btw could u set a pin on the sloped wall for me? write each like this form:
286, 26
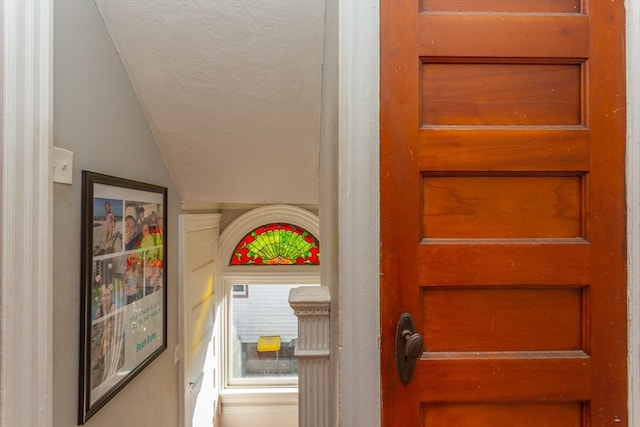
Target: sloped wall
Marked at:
98, 117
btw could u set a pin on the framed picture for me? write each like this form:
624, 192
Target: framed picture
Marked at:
123, 321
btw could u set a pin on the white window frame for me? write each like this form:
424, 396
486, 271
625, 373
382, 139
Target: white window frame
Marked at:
258, 274
264, 278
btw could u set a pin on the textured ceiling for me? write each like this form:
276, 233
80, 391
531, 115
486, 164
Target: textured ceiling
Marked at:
231, 90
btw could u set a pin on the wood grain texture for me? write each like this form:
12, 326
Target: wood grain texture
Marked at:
568, 414
501, 94
523, 6
516, 206
490, 219
477, 319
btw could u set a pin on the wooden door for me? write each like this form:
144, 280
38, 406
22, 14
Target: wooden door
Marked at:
198, 265
503, 211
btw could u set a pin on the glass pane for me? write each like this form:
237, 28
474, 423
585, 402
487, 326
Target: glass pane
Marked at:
277, 244
263, 333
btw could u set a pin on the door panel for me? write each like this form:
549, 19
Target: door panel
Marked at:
502, 206
568, 414
502, 318
511, 94
198, 249
503, 211
522, 6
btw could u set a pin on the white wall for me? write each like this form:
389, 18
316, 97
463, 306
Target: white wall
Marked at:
98, 118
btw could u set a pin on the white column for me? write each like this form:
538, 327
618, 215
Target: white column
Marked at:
25, 297
312, 306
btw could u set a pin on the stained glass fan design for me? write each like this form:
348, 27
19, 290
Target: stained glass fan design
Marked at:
277, 244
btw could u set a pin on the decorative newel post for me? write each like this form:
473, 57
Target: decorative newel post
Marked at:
312, 305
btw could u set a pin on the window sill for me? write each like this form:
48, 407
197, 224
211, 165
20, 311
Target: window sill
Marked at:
259, 397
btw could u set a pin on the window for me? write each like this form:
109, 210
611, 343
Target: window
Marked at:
262, 334
266, 252
277, 244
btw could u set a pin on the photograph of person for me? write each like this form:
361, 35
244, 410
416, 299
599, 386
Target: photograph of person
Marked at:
97, 277
107, 348
132, 278
140, 220
107, 289
132, 234
107, 304
153, 281
107, 217
151, 244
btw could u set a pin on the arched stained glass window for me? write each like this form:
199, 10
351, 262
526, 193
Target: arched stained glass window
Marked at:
277, 244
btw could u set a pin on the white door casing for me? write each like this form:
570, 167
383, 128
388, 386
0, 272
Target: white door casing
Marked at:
198, 249
633, 205
358, 296
26, 330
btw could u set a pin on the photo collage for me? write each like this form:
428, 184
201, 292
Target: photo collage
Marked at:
127, 270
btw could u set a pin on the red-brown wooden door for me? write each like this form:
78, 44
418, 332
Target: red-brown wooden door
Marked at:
503, 211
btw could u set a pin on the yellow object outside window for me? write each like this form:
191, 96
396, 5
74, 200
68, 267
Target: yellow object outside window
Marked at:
269, 343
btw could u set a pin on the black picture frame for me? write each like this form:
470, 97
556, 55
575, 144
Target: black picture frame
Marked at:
123, 313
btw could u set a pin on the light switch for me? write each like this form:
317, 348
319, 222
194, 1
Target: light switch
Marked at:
62, 165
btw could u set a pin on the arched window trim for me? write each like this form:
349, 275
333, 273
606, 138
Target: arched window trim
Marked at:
244, 391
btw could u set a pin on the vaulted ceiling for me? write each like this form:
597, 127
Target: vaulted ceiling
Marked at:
231, 90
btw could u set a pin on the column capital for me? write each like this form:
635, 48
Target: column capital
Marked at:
310, 301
